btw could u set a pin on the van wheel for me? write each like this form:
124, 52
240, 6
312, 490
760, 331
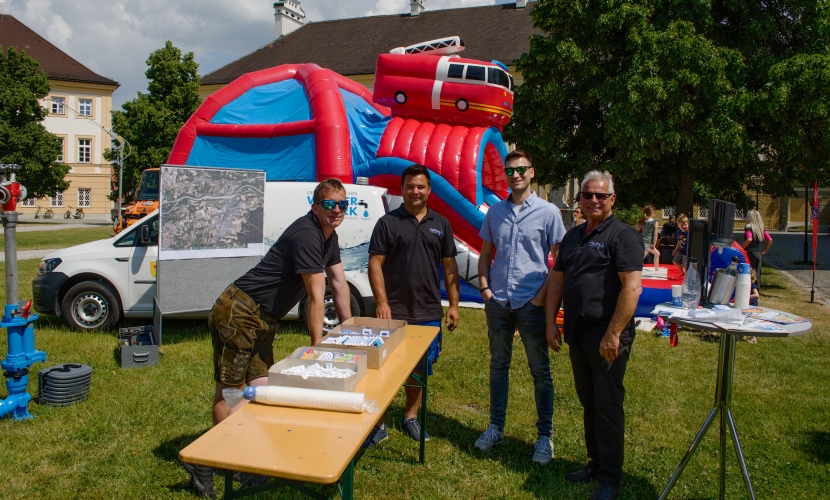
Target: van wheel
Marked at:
90, 305
330, 319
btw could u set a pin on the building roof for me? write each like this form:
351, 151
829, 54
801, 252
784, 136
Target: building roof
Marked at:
351, 46
57, 64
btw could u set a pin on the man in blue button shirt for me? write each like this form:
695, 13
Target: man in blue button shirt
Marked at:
523, 230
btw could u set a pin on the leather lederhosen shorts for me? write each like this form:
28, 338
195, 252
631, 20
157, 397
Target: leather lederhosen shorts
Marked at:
242, 336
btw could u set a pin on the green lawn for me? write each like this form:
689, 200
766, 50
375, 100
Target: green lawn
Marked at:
59, 238
123, 442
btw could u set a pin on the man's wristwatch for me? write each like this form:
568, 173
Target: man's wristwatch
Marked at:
483, 289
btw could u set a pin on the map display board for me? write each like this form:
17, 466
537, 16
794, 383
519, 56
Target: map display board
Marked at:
211, 212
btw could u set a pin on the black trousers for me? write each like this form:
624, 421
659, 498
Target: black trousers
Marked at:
599, 386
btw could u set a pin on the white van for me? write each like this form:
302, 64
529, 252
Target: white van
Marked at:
95, 284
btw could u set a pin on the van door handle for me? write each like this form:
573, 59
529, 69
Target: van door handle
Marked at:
122, 259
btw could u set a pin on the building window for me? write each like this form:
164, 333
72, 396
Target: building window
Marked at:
28, 202
85, 107
60, 155
83, 197
84, 150
57, 200
57, 107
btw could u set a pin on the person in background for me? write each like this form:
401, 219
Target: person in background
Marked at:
754, 234
669, 228
408, 247
754, 295
649, 232
682, 235
579, 218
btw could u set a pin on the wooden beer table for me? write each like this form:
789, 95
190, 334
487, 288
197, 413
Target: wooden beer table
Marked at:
723, 397
298, 445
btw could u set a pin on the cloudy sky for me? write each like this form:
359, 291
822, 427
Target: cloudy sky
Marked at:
115, 37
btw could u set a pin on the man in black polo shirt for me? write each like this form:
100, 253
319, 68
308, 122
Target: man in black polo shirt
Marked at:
598, 273
407, 247
243, 320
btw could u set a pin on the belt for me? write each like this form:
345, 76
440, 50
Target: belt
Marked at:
232, 292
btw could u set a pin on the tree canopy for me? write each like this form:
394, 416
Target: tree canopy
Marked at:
676, 99
151, 121
23, 138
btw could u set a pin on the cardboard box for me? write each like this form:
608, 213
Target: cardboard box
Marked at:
362, 362
377, 355
328, 384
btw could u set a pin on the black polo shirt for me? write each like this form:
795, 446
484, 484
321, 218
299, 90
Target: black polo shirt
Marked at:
276, 283
590, 263
413, 253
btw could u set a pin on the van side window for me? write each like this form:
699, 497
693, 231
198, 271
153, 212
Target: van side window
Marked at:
455, 71
475, 73
131, 239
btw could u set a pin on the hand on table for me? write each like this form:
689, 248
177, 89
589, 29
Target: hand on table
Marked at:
384, 311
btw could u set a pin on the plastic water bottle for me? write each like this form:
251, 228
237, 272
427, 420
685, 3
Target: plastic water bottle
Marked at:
691, 286
743, 287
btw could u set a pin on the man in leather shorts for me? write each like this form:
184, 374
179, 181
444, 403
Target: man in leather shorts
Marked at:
243, 320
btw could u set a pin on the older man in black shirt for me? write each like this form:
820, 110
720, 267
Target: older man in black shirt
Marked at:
598, 273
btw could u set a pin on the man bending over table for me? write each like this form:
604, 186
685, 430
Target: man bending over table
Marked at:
243, 320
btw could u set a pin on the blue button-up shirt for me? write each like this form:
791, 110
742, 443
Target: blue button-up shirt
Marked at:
522, 247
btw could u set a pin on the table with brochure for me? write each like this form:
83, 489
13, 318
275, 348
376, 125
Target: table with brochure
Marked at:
729, 322
300, 445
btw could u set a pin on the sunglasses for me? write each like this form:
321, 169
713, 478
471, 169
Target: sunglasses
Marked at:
330, 204
598, 196
521, 170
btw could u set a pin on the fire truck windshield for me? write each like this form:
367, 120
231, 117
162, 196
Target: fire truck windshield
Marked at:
499, 77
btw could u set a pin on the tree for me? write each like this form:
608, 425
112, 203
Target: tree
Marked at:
795, 106
662, 94
151, 121
23, 138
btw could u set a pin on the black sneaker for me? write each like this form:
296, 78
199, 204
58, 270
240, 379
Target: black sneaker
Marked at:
377, 435
202, 477
248, 479
413, 428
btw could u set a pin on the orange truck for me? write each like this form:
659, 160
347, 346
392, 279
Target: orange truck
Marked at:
146, 201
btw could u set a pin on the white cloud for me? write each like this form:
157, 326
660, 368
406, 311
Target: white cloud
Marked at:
115, 37
58, 31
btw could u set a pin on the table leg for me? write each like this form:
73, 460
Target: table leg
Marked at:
689, 453
228, 484
424, 381
347, 482
740, 453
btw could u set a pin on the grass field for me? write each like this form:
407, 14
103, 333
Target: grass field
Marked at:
58, 238
123, 442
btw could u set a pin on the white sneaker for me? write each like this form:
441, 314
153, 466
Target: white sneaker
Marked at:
489, 438
543, 450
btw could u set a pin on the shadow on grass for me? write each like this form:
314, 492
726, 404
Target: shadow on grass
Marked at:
168, 451
817, 445
542, 482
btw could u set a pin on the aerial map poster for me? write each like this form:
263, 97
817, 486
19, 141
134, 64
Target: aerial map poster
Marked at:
211, 212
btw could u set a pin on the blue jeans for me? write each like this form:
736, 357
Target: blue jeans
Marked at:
501, 324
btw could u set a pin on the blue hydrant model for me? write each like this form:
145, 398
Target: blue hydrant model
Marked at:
16, 318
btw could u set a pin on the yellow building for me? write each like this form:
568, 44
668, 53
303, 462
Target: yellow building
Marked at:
78, 105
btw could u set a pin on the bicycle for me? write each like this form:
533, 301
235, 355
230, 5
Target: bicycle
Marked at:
38, 215
48, 214
79, 213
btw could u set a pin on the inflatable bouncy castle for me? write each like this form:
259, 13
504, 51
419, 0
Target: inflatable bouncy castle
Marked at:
302, 122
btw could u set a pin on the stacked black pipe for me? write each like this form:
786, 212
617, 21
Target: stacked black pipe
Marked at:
63, 385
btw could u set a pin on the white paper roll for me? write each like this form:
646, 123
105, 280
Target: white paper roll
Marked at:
351, 402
